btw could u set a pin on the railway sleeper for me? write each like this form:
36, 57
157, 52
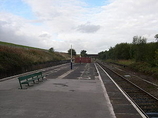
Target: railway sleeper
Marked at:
152, 114
133, 92
143, 97
147, 104
148, 107
139, 95
145, 101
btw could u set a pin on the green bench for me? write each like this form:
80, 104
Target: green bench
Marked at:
30, 78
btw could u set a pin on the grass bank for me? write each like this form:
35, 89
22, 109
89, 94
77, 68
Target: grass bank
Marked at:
23, 58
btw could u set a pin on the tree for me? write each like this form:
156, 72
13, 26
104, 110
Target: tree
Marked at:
152, 51
73, 52
51, 49
102, 55
139, 40
156, 36
83, 53
156, 57
111, 53
122, 51
139, 48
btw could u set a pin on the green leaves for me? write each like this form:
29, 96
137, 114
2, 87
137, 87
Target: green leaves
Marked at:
83, 53
73, 52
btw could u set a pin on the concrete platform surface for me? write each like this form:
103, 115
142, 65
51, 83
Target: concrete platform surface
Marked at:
60, 97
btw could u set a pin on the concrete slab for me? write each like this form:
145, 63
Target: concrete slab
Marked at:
11, 84
55, 98
67, 85
46, 104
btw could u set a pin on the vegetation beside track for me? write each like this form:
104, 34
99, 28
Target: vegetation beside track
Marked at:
138, 55
142, 67
17, 57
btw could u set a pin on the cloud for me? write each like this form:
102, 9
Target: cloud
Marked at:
122, 20
45, 35
88, 28
67, 22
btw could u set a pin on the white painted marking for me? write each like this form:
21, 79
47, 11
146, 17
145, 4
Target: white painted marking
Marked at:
65, 74
83, 72
105, 94
143, 116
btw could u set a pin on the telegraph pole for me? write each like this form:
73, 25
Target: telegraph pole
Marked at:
71, 57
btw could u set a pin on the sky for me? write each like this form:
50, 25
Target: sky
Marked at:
91, 25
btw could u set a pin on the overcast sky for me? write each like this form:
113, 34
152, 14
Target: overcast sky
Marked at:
91, 25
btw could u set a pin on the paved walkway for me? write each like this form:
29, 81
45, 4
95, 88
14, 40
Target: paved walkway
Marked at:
65, 94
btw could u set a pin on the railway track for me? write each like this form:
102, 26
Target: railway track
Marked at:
146, 102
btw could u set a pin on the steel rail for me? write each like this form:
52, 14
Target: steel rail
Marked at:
146, 102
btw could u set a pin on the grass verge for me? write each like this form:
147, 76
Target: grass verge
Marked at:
17, 58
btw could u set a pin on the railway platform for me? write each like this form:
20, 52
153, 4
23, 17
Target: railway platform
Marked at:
83, 92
